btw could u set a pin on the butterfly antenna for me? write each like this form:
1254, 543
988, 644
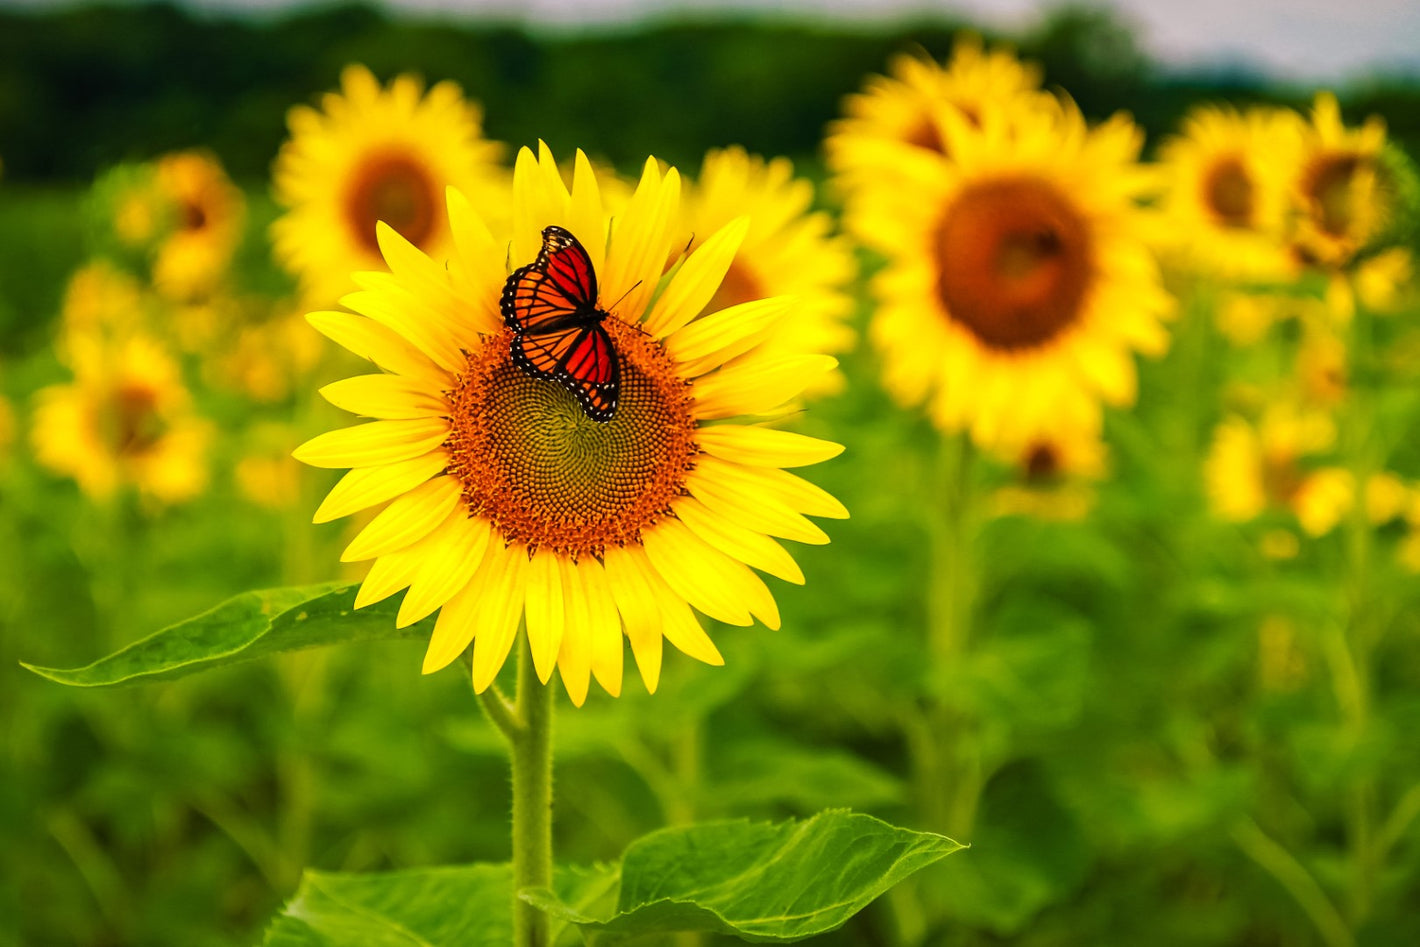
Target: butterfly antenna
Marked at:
612, 307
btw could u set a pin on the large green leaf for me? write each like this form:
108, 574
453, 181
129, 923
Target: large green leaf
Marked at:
464, 906
251, 625
758, 882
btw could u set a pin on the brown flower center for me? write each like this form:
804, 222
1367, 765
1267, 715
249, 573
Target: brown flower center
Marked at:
1041, 463
132, 423
1328, 185
1014, 262
194, 216
398, 190
532, 461
1228, 192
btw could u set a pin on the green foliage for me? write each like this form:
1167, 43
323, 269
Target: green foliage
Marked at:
758, 882
248, 626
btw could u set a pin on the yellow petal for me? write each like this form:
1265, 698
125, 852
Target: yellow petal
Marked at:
546, 611
603, 626
763, 446
385, 347
586, 217
637, 604
713, 340
779, 485
738, 504
406, 520
390, 397
501, 582
640, 242
695, 283
453, 630
758, 387
574, 659
389, 303
482, 262
696, 572
749, 547
372, 444
678, 623
364, 487
387, 576
454, 551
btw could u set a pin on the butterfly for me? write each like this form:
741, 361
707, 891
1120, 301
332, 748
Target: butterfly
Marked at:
551, 306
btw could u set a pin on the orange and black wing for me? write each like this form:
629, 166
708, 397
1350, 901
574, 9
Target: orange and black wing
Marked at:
581, 359
557, 289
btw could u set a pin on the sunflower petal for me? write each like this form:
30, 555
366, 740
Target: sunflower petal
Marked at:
759, 387
546, 611
388, 397
696, 572
746, 545
385, 347
637, 604
373, 444
764, 447
574, 660
365, 487
455, 550
501, 582
739, 504
407, 520
603, 626
713, 340
678, 623
695, 283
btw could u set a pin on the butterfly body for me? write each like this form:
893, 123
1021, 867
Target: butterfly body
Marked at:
551, 306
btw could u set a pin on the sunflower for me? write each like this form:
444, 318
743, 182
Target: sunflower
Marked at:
911, 118
1227, 177
1254, 467
788, 251
375, 154
1054, 468
100, 301
208, 213
506, 499
125, 420
1342, 189
1018, 275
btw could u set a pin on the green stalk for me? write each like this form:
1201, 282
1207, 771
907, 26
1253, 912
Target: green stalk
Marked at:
528, 729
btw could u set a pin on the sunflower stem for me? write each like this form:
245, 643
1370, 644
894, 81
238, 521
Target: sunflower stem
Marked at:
531, 744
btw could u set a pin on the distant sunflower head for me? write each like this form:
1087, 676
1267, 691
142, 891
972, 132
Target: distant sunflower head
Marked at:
1052, 470
918, 115
1351, 192
125, 420
789, 249
1256, 466
373, 155
206, 216
1227, 177
507, 502
1019, 276
100, 301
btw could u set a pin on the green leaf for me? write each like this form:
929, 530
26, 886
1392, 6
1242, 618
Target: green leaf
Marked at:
758, 882
251, 625
463, 906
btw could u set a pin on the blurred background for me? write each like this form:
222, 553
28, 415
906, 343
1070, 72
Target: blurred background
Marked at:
1147, 687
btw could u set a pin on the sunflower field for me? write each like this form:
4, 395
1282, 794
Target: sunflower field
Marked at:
711, 482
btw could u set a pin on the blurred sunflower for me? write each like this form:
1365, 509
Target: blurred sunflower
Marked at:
1227, 177
268, 356
125, 420
208, 213
912, 118
375, 154
100, 301
788, 251
508, 500
1343, 190
1054, 469
1018, 275
1252, 468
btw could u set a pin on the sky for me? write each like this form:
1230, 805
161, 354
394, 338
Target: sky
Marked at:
1289, 39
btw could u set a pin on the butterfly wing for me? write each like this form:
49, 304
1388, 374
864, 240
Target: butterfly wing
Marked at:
582, 359
557, 289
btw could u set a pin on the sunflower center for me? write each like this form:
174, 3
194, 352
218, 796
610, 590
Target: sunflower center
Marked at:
1329, 187
194, 216
1041, 463
925, 134
398, 190
1228, 192
133, 425
1013, 262
545, 474
738, 286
